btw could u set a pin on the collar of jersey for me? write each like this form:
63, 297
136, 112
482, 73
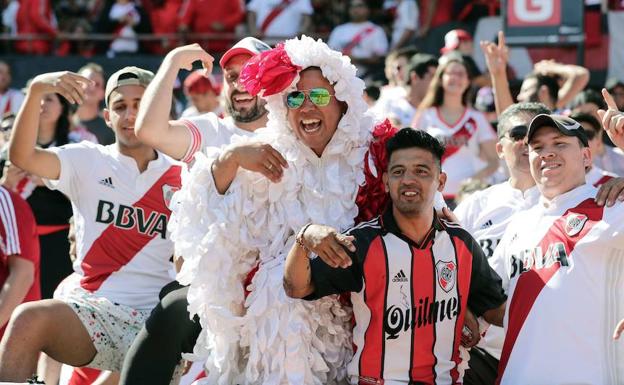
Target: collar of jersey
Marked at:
568, 199
389, 225
130, 162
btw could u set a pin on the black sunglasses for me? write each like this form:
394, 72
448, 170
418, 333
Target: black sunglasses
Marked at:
516, 133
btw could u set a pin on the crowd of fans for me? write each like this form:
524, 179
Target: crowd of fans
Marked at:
420, 72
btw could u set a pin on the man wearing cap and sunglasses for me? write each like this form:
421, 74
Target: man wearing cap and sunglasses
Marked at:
120, 195
560, 262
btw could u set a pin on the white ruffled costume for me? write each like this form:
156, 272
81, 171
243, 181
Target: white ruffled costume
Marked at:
269, 338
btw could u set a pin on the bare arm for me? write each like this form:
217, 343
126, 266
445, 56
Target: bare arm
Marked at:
487, 151
495, 316
22, 148
152, 125
496, 57
297, 274
424, 29
16, 286
574, 77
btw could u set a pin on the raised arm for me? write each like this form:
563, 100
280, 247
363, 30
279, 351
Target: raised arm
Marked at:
23, 152
496, 58
574, 78
612, 120
152, 125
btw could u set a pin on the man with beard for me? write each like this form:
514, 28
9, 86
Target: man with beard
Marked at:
169, 331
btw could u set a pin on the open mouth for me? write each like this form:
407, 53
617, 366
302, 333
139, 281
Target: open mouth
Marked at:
550, 166
409, 194
242, 99
310, 125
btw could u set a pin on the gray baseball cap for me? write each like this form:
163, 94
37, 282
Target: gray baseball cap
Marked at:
567, 126
127, 76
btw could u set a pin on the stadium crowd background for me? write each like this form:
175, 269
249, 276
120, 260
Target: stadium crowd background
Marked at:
99, 36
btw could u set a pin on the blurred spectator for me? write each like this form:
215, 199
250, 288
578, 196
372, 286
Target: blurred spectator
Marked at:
588, 102
123, 18
83, 47
484, 102
433, 22
6, 124
19, 254
615, 22
418, 74
328, 14
10, 98
405, 22
212, 16
164, 16
278, 18
604, 157
9, 17
89, 113
616, 89
51, 208
203, 93
364, 42
395, 66
35, 17
445, 114
459, 41
371, 94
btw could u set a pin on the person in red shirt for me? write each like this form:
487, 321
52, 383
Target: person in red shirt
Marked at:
164, 18
211, 16
35, 17
19, 255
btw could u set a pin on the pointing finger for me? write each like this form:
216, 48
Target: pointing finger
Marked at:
609, 99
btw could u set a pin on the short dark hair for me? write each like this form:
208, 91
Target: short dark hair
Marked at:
582, 117
550, 82
409, 138
528, 110
589, 96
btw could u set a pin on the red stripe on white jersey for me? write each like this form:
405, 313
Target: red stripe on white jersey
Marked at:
459, 138
422, 358
7, 213
375, 292
464, 268
603, 180
530, 283
115, 247
195, 140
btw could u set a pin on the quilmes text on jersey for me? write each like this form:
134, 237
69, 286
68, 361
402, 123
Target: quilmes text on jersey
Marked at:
426, 312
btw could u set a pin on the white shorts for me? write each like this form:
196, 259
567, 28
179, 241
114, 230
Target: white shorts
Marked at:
112, 327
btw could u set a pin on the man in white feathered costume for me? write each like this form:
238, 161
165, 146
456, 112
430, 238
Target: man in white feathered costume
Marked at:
266, 337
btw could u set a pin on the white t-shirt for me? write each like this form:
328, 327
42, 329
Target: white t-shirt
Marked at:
462, 139
406, 18
121, 215
288, 22
372, 39
611, 161
399, 110
485, 215
10, 101
597, 176
208, 130
562, 266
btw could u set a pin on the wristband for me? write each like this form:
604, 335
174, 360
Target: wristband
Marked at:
299, 237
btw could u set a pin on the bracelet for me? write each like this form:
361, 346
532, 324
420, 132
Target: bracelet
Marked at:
299, 237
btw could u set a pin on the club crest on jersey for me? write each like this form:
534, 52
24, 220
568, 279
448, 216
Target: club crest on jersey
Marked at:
574, 223
168, 192
446, 272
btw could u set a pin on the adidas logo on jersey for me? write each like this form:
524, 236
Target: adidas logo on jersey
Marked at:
400, 277
108, 182
486, 224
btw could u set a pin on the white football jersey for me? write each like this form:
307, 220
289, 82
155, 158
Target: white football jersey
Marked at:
597, 176
208, 130
485, 215
462, 139
120, 216
562, 265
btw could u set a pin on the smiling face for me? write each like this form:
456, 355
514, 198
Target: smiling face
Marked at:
412, 180
121, 115
51, 108
557, 161
455, 79
515, 152
239, 103
314, 125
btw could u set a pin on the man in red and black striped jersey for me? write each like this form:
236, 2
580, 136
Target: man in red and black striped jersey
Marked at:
412, 275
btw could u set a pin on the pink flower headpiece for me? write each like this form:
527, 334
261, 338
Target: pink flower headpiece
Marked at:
269, 72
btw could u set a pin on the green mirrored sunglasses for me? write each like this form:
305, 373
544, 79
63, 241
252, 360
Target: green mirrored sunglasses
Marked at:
319, 96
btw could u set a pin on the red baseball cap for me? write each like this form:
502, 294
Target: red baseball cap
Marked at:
198, 83
249, 45
453, 38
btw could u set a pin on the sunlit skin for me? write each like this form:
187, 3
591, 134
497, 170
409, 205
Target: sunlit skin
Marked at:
121, 114
51, 109
314, 125
528, 91
5, 77
516, 154
94, 92
412, 180
239, 103
455, 79
557, 161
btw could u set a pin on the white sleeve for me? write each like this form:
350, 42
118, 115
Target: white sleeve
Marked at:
16, 103
485, 132
205, 130
76, 160
332, 41
424, 121
408, 15
500, 260
465, 211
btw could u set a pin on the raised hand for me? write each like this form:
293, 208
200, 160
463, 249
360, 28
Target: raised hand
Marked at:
260, 157
185, 56
612, 120
496, 55
69, 84
329, 245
